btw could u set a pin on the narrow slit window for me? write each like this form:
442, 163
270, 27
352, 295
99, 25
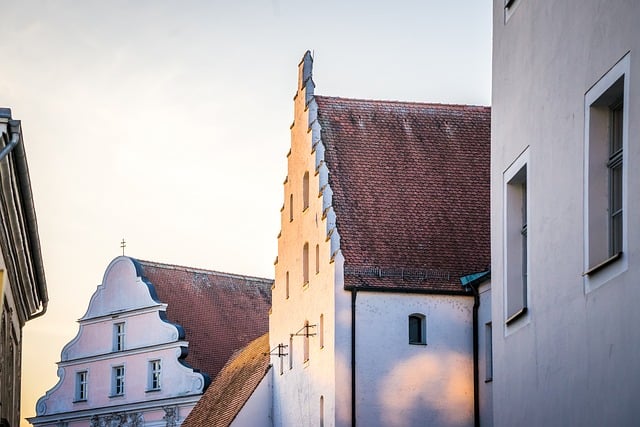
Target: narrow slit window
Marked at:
417, 329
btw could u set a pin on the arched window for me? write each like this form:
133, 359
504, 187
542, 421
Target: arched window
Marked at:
317, 259
321, 331
305, 191
417, 329
290, 207
305, 263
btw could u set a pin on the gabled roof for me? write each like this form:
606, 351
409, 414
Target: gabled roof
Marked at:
231, 389
410, 186
219, 312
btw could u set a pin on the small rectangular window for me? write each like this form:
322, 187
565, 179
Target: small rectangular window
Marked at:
286, 288
291, 352
155, 371
305, 263
117, 381
118, 336
305, 191
81, 386
317, 259
417, 329
321, 331
306, 341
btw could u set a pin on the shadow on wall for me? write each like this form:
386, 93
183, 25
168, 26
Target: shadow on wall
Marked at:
427, 389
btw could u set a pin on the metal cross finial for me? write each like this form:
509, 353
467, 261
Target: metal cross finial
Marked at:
123, 245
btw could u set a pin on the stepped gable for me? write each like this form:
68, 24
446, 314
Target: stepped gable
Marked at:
410, 186
233, 386
219, 312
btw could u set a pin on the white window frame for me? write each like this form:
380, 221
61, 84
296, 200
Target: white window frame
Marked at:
599, 269
516, 258
81, 393
119, 334
155, 375
118, 380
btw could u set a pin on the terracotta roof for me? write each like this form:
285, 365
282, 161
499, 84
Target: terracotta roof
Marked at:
410, 188
232, 387
219, 312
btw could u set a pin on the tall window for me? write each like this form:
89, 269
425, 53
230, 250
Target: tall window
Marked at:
118, 336
291, 352
290, 207
305, 191
488, 336
117, 381
317, 259
321, 331
606, 127
417, 329
516, 239
305, 263
81, 386
286, 285
155, 370
321, 411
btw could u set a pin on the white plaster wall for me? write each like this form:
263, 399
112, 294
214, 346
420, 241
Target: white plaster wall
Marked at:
485, 390
147, 337
257, 410
400, 384
297, 391
575, 361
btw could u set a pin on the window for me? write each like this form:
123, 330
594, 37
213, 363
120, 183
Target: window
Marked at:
317, 259
488, 336
117, 381
305, 263
606, 128
155, 370
306, 341
81, 386
321, 411
290, 207
516, 243
321, 331
417, 329
291, 352
118, 337
305, 191
286, 286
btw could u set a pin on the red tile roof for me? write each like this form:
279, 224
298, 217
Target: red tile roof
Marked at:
219, 312
231, 389
410, 188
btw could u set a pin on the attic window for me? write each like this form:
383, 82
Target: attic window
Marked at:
305, 191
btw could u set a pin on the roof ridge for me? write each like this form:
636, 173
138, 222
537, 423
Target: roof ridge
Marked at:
201, 270
398, 102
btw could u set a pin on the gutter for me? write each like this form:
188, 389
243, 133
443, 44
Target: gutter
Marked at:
26, 197
354, 293
472, 282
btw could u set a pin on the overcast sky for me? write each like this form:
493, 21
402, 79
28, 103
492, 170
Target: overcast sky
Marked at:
167, 123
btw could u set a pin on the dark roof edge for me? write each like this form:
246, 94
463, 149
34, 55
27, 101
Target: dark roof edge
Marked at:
407, 290
398, 102
201, 270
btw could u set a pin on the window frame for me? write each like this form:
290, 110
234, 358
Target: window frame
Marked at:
119, 334
601, 264
421, 320
81, 389
305, 263
155, 375
516, 242
118, 380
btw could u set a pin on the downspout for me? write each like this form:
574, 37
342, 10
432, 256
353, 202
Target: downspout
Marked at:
476, 373
354, 293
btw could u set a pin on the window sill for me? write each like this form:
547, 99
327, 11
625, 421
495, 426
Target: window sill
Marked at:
489, 380
516, 316
153, 390
417, 343
305, 286
114, 396
603, 264
80, 401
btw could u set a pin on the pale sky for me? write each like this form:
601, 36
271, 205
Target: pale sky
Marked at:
167, 123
